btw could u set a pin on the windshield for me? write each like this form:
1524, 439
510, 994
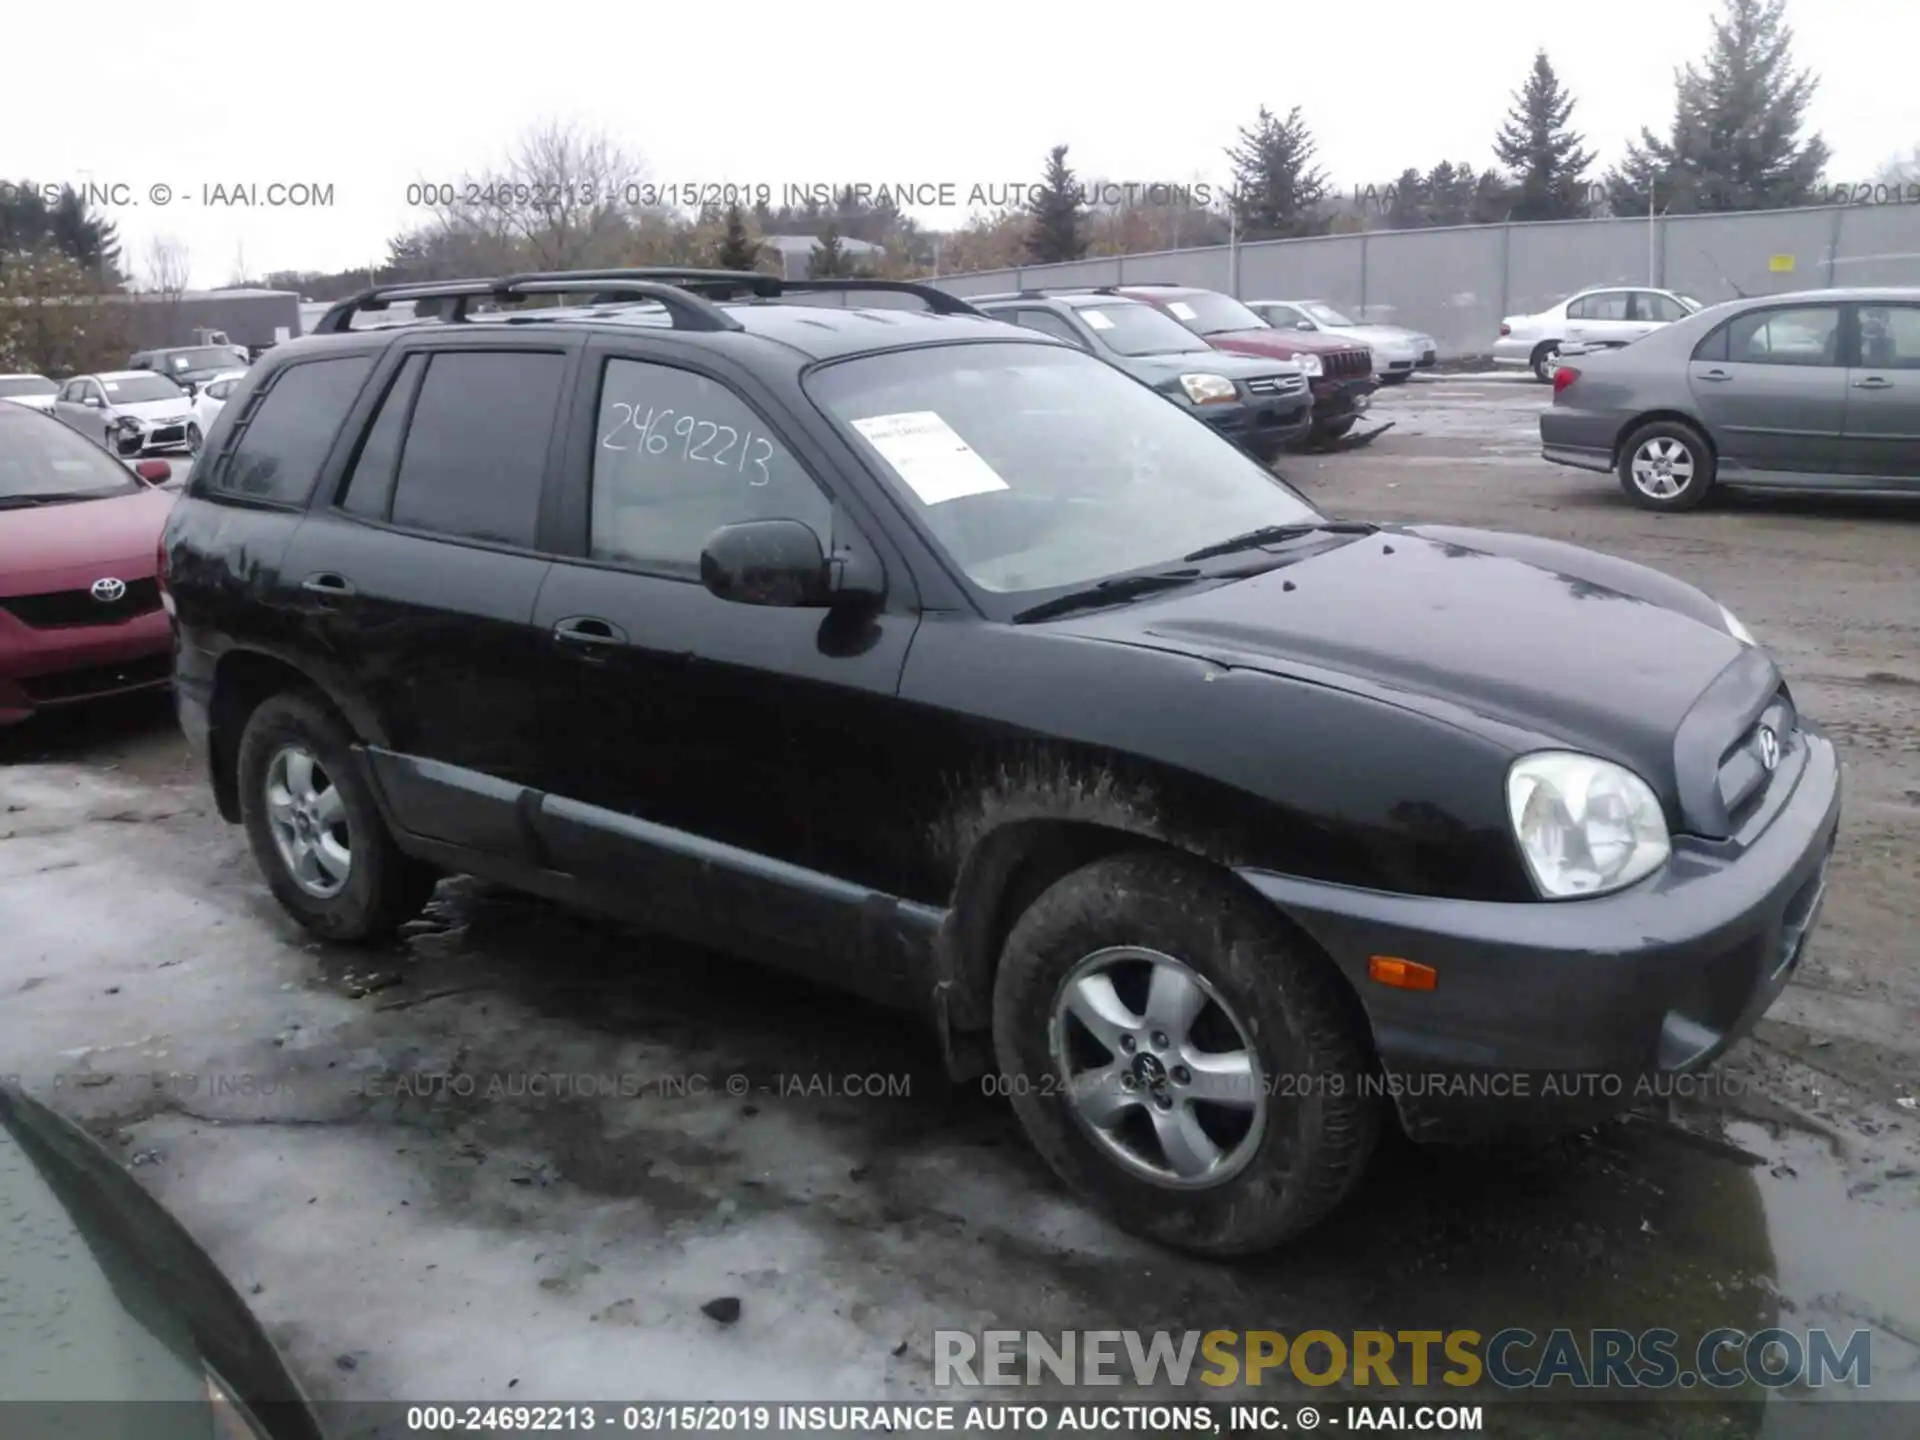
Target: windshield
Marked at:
42, 457
211, 357
1140, 330
138, 389
27, 385
1206, 312
1037, 467
1325, 314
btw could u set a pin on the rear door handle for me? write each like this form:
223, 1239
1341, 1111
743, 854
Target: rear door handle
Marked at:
327, 583
589, 636
1873, 382
1715, 375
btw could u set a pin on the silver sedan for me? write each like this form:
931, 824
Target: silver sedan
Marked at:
1818, 390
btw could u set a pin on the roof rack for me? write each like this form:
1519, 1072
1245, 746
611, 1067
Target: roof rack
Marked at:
1045, 291
687, 293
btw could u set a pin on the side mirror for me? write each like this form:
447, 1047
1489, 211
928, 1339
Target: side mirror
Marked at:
781, 563
154, 472
1303, 325
191, 387
93, 402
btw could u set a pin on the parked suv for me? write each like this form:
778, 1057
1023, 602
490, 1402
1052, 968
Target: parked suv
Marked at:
1262, 404
190, 366
1341, 370
946, 663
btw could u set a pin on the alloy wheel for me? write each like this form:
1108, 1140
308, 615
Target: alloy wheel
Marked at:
1157, 1069
1662, 467
309, 821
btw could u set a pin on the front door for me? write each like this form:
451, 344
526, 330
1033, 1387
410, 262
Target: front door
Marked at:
1772, 386
1883, 396
1603, 318
82, 405
717, 762
418, 579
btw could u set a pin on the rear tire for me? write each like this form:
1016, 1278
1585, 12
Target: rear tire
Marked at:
314, 828
1246, 1075
1545, 360
1666, 465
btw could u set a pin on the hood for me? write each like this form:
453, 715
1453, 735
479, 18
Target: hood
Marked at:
33, 402
1373, 334
1282, 343
170, 409
1213, 362
68, 546
1561, 646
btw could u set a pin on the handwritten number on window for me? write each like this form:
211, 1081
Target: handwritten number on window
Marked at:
697, 437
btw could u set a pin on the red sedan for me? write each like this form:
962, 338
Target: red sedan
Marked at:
80, 614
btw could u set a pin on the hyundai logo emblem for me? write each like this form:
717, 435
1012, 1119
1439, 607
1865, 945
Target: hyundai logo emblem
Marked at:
108, 590
1769, 747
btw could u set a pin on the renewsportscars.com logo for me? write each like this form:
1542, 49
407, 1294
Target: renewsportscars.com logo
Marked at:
1512, 1359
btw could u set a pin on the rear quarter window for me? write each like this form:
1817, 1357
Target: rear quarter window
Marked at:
280, 443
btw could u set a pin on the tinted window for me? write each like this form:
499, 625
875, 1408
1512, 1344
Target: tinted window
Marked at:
281, 445
1890, 337
676, 456
1805, 335
1048, 323
476, 452
1714, 347
370, 478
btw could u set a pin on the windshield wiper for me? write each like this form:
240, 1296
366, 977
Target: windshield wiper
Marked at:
1107, 592
1274, 534
21, 502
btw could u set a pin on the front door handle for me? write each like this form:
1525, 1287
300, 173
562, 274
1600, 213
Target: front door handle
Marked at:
589, 636
1873, 382
1715, 375
329, 584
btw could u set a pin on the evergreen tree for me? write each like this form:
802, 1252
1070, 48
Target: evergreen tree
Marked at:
1737, 118
1276, 185
1055, 214
66, 226
1541, 150
1494, 199
738, 249
1407, 206
1450, 191
829, 259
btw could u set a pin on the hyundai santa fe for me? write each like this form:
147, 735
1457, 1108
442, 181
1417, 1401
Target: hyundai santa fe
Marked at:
947, 663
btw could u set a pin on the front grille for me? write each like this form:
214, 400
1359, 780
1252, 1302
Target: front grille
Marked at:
1427, 357
78, 607
168, 435
1744, 774
1393, 365
93, 680
1347, 364
1277, 385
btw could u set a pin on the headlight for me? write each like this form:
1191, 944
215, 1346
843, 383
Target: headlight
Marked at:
1736, 629
1310, 364
1208, 389
1586, 825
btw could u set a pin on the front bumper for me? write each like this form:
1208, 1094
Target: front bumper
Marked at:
1264, 428
1336, 400
148, 438
46, 668
1557, 1013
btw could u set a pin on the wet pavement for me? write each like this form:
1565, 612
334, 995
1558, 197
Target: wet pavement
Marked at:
512, 1157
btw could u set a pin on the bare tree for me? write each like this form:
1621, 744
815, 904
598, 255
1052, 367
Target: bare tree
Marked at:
1902, 169
168, 267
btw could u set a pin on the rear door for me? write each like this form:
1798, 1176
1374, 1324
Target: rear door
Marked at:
416, 577
1771, 384
1883, 395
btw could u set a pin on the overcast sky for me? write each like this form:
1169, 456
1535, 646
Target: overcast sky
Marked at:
369, 98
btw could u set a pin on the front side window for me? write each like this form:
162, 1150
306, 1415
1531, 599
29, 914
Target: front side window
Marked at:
278, 455
678, 455
1890, 337
1327, 315
1037, 468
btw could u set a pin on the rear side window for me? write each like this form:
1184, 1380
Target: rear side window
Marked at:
281, 444
475, 453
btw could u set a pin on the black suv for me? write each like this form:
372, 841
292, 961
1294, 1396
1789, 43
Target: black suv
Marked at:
946, 662
1264, 405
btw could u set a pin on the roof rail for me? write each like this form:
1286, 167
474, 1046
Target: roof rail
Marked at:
689, 310
772, 287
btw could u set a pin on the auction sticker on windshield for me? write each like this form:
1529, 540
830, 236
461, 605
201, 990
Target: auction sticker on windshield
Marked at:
1096, 319
1181, 310
930, 456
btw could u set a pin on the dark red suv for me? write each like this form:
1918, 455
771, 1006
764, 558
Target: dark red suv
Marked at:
1342, 384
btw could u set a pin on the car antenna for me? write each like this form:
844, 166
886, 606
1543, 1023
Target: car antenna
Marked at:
1737, 291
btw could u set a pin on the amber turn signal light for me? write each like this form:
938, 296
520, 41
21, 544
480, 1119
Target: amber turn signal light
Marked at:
1401, 974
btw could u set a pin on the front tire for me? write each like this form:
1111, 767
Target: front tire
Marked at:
1180, 1058
1666, 465
314, 828
1545, 361
194, 439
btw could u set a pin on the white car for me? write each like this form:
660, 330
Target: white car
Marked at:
1397, 351
1603, 318
131, 412
213, 395
36, 392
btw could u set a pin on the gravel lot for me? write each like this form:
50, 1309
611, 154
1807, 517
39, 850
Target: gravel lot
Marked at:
516, 1236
